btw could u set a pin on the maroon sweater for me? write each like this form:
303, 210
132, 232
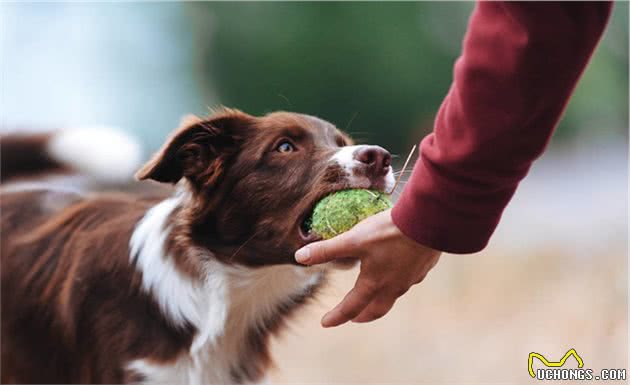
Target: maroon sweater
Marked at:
519, 65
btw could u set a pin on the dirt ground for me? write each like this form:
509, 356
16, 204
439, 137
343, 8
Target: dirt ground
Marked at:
474, 320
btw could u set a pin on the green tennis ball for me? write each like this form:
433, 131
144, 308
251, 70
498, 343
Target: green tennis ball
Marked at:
339, 211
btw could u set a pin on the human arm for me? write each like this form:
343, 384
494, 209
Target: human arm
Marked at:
519, 66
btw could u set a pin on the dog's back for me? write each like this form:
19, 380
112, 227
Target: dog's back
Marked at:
56, 300
100, 153
44, 207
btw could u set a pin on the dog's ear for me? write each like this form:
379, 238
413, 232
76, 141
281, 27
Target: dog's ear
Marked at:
198, 149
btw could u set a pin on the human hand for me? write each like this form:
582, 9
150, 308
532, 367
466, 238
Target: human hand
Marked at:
391, 263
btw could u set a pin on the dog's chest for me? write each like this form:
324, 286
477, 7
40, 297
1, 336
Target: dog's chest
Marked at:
242, 307
233, 308
190, 370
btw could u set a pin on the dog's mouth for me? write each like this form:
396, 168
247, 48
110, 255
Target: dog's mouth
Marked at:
305, 226
307, 234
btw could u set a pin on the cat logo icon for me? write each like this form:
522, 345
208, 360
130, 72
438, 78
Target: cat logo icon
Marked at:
552, 364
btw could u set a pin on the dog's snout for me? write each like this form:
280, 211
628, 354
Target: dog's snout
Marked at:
365, 166
375, 158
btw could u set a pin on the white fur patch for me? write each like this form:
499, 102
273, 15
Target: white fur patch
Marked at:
224, 306
345, 158
182, 299
390, 181
182, 371
104, 153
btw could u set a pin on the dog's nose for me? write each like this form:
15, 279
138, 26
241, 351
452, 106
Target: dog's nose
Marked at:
376, 158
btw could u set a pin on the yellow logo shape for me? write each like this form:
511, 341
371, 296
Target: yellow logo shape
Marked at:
551, 364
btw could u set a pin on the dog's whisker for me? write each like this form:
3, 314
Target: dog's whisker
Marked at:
402, 172
395, 194
286, 99
351, 120
243, 245
404, 167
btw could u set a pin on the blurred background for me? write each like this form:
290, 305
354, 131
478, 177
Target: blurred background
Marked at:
555, 275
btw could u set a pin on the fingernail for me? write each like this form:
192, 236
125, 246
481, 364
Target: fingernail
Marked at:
302, 255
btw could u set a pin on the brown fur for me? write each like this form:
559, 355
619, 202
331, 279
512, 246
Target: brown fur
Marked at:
72, 308
26, 155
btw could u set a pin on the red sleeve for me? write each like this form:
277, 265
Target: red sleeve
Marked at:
519, 65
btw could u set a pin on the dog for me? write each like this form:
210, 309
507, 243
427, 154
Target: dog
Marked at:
186, 287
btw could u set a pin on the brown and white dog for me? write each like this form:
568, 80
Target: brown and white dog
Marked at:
186, 288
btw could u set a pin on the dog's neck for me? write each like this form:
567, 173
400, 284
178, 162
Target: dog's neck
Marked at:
233, 308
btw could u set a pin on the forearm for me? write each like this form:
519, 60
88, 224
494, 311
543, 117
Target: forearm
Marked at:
519, 65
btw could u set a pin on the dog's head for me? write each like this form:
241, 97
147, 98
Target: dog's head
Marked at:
252, 181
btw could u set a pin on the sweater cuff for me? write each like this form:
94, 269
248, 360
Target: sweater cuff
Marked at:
432, 216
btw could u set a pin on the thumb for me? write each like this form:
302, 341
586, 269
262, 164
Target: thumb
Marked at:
341, 246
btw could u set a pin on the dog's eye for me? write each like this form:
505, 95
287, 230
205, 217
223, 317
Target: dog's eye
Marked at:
285, 146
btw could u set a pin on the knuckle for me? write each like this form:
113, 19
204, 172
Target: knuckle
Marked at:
348, 313
353, 242
370, 286
319, 252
